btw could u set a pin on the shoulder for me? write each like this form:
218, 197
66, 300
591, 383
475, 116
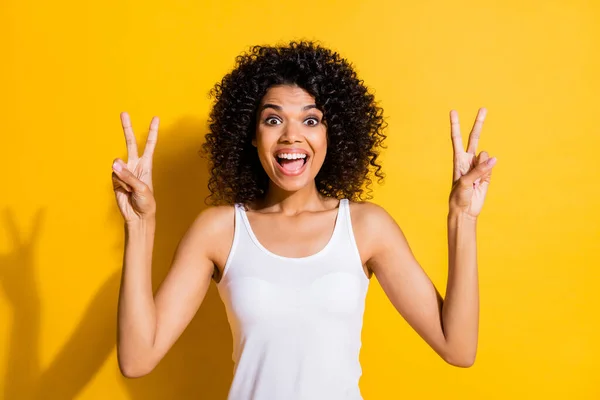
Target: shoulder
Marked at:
374, 228
367, 215
215, 218
212, 228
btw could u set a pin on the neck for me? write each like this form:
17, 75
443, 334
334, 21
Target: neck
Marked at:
292, 203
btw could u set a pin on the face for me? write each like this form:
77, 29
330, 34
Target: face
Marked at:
291, 138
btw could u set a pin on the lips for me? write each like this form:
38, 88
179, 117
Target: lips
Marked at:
291, 161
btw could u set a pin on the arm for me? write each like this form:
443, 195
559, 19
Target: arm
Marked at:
448, 326
148, 325
460, 312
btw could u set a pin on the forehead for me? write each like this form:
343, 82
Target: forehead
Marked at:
287, 96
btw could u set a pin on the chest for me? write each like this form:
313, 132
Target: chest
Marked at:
297, 236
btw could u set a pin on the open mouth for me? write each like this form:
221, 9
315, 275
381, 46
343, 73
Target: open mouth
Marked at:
291, 163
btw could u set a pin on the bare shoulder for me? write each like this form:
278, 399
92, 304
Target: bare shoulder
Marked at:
369, 216
373, 228
214, 218
212, 230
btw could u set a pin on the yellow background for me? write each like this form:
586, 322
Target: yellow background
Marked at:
69, 68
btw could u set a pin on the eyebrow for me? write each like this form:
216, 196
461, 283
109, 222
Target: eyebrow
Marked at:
279, 108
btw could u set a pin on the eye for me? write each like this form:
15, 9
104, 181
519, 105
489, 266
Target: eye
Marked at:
311, 121
272, 121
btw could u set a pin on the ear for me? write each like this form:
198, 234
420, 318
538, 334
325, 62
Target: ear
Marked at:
254, 142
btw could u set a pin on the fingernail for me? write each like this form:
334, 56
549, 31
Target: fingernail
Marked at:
491, 161
117, 167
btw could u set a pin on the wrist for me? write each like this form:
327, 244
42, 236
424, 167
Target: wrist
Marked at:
456, 214
141, 223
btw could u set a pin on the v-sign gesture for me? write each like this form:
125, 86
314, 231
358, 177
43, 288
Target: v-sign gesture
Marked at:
132, 181
472, 173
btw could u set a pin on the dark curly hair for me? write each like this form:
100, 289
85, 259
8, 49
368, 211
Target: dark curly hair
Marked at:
353, 120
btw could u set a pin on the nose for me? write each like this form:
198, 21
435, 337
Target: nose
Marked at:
291, 133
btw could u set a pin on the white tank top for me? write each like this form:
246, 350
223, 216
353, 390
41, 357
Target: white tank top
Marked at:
296, 322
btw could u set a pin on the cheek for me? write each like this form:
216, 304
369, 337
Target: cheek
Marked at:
264, 155
264, 149
264, 143
319, 145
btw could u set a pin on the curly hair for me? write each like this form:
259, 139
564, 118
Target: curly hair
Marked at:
354, 123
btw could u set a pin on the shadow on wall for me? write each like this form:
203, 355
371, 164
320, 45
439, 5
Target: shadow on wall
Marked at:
198, 365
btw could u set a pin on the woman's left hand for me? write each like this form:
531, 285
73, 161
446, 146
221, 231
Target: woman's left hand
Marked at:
472, 173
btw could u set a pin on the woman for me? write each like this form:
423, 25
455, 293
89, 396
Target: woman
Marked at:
294, 137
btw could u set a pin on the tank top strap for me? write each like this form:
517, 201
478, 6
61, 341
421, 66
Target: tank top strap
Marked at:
348, 230
238, 228
345, 216
245, 233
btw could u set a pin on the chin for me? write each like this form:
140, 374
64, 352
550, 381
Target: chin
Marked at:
291, 185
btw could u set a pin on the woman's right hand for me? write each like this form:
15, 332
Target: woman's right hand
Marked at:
132, 181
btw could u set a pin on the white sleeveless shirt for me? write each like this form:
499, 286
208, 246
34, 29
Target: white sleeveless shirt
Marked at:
296, 322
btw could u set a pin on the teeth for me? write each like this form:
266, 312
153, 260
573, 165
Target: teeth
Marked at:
291, 156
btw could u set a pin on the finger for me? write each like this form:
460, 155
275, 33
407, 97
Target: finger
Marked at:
120, 168
121, 190
476, 131
480, 171
457, 143
132, 153
481, 158
119, 184
152, 138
